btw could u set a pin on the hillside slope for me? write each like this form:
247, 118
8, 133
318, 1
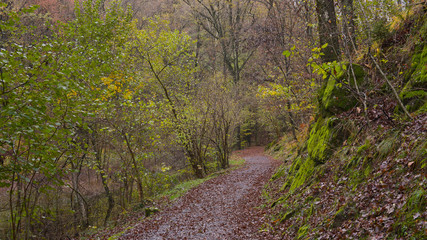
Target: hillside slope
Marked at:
361, 174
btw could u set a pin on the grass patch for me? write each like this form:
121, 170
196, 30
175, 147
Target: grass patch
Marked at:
184, 187
236, 161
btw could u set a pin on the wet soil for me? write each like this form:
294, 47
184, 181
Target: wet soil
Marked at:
226, 207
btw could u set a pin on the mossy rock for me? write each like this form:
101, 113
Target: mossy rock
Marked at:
296, 165
413, 94
325, 135
304, 173
318, 142
335, 96
279, 173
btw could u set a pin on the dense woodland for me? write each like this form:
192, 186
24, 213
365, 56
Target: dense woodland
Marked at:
105, 105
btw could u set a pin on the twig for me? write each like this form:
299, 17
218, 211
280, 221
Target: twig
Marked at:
391, 86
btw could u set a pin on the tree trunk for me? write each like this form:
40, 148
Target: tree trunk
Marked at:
239, 137
328, 30
81, 206
84, 221
291, 120
136, 169
307, 16
103, 175
109, 196
198, 169
348, 25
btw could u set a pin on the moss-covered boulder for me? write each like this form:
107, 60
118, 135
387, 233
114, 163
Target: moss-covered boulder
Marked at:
335, 96
414, 93
318, 142
325, 135
304, 172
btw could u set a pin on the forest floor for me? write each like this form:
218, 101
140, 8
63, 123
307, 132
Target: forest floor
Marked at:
225, 207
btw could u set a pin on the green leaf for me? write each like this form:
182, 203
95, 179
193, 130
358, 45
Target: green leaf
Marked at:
286, 53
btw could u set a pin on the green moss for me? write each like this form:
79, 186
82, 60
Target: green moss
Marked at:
422, 109
306, 171
345, 213
417, 202
296, 164
412, 215
302, 231
353, 162
364, 147
309, 212
287, 183
279, 173
280, 200
324, 136
387, 145
301, 170
335, 97
288, 215
421, 155
318, 142
359, 166
419, 70
367, 171
413, 94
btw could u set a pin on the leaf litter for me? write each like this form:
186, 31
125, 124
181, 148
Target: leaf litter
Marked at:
226, 207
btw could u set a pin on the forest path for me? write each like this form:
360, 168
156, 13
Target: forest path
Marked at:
224, 207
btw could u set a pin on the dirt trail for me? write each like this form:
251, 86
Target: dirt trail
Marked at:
221, 208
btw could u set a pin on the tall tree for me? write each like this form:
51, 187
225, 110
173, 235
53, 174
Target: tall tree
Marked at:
328, 30
348, 25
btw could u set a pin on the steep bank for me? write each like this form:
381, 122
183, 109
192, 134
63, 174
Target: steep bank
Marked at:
361, 173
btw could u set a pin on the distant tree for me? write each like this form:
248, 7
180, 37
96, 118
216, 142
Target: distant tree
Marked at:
227, 21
